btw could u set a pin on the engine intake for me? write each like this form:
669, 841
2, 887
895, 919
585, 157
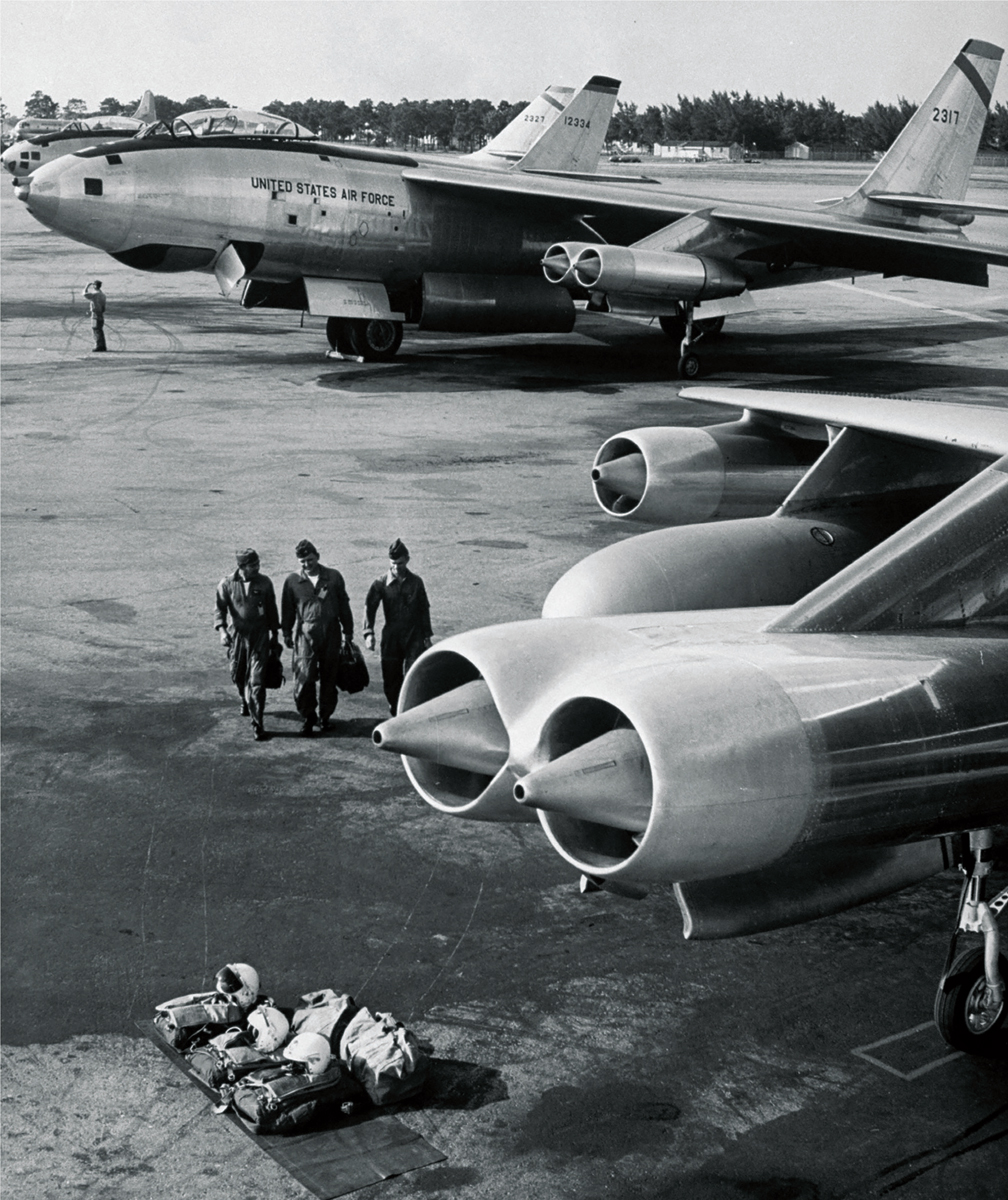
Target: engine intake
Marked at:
679, 476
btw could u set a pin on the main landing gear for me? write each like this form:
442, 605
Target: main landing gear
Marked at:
970, 1005
682, 328
374, 341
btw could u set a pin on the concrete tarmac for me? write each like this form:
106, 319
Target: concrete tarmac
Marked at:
583, 1049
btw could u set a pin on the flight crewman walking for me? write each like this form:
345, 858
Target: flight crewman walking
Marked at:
96, 296
407, 630
249, 624
313, 608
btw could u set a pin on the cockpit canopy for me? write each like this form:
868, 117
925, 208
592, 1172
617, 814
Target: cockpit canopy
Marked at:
233, 122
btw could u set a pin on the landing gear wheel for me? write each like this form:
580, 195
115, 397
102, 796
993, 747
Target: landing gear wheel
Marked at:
675, 327
963, 1016
689, 366
376, 341
339, 331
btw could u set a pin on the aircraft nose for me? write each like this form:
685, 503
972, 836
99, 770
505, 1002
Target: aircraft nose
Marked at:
41, 196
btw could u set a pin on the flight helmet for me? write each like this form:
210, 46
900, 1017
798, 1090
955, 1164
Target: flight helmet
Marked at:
312, 1049
239, 982
268, 1028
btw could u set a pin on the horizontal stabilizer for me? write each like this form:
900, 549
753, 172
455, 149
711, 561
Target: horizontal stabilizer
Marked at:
951, 210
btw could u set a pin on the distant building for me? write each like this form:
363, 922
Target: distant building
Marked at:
701, 151
797, 150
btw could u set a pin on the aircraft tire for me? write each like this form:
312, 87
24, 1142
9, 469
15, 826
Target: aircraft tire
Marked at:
376, 341
959, 1020
689, 366
339, 332
675, 327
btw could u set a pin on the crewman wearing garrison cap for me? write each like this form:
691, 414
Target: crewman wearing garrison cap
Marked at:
407, 630
248, 623
313, 608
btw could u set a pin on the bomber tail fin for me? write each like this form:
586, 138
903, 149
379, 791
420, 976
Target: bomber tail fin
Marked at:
574, 141
934, 154
145, 109
514, 140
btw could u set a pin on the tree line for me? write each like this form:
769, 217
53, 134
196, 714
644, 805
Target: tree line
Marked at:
767, 124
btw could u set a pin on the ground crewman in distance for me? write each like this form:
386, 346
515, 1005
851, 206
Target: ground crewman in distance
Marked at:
407, 630
248, 623
313, 608
96, 296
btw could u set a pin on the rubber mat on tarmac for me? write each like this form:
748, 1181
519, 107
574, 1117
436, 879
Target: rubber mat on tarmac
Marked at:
329, 1160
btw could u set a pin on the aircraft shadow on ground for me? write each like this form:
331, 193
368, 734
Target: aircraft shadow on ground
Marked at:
832, 355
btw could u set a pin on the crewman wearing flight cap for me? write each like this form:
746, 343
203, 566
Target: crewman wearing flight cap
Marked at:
407, 630
314, 606
248, 623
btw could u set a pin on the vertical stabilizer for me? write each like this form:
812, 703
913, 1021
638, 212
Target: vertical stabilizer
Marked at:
145, 109
934, 154
574, 142
514, 140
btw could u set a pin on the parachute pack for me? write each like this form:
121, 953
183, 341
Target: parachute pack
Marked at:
277, 1068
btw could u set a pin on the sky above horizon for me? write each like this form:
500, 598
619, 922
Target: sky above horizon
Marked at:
853, 52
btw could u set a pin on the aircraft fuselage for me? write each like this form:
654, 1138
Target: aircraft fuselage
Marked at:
312, 213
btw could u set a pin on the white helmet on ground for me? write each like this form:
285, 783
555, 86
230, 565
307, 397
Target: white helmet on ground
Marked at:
268, 1028
312, 1049
240, 982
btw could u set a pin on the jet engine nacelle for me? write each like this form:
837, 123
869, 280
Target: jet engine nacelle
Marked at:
494, 304
670, 752
680, 476
730, 564
652, 273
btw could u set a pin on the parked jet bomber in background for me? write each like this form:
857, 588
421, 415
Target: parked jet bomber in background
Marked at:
371, 239
33, 148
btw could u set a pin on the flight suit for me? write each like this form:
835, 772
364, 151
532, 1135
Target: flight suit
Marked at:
312, 616
97, 299
248, 611
407, 626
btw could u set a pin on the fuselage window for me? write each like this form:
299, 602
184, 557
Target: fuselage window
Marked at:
36, 156
113, 160
292, 218
92, 187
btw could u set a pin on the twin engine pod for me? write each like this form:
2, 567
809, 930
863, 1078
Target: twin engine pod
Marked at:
757, 775
680, 475
652, 273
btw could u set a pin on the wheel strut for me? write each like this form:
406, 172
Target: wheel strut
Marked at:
970, 1005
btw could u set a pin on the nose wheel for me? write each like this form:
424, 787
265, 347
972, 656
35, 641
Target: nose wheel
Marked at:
970, 1008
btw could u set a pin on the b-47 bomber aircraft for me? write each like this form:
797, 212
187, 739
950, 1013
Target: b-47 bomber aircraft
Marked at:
371, 239
34, 148
790, 701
